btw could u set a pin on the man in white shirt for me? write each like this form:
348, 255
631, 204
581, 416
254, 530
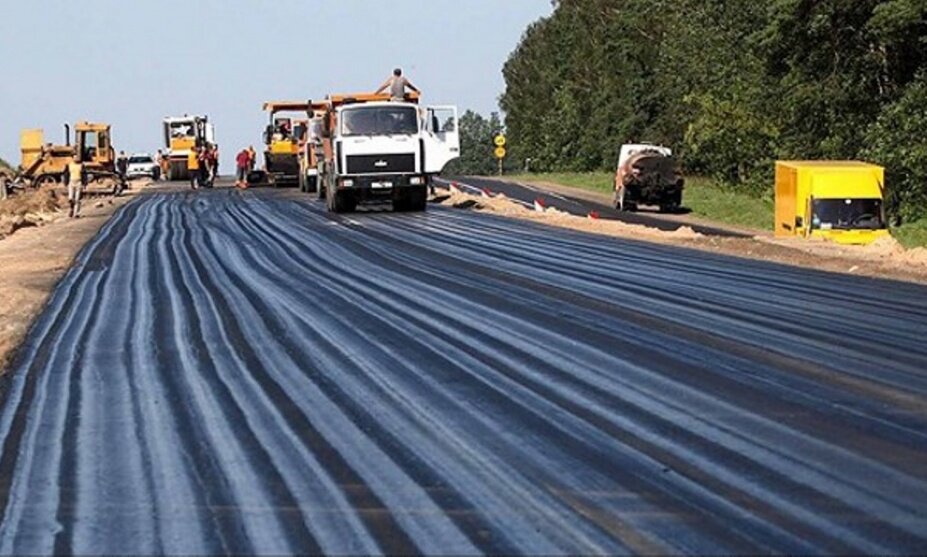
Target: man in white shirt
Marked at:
397, 85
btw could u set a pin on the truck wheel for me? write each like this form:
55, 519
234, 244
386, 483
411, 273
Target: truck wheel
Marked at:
312, 184
417, 199
338, 202
623, 200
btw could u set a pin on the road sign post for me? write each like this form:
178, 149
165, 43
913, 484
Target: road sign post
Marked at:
499, 141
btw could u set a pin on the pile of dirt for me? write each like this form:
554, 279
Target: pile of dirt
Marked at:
502, 205
31, 208
886, 251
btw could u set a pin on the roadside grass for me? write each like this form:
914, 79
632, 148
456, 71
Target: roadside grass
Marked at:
602, 182
705, 198
912, 234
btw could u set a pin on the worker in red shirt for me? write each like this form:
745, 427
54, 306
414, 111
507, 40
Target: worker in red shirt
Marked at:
243, 162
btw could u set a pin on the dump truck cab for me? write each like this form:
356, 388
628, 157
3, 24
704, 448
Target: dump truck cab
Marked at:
841, 201
385, 151
182, 136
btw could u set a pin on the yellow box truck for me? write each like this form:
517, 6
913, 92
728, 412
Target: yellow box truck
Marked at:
841, 201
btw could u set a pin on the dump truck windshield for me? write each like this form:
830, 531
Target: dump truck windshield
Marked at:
380, 120
846, 214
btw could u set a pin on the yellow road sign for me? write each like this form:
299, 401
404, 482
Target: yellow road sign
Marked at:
500, 141
500, 152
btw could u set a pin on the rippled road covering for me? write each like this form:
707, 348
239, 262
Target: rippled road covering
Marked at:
230, 372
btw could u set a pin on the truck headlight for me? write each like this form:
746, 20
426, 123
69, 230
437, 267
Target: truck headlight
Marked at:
347, 183
416, 180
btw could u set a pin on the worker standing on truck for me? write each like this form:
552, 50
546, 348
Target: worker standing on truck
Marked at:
397, 85
76, 178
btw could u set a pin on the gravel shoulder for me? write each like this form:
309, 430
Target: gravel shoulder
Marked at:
33, 258
885, 259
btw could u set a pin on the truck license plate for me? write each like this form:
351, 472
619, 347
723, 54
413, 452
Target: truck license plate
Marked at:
381, 185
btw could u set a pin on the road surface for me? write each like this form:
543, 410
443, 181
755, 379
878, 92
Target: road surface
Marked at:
527, 194
229, 371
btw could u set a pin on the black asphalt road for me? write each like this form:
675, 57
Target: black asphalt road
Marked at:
232, 372
582, 207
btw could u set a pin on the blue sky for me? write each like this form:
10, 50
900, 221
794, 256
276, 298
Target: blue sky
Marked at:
132, 62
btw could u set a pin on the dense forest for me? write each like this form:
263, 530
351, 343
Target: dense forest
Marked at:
733, 85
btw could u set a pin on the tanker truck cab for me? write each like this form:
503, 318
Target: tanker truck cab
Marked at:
841, 201
387, 151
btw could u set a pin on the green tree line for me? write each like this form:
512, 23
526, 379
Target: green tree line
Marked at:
733, 85
476, 145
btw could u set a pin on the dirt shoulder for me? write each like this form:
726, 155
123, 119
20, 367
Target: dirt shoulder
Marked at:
600, 198
885, 259
34, 256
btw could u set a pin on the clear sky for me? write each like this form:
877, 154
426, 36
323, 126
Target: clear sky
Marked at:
133, 62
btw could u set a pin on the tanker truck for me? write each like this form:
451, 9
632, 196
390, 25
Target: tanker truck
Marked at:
647, 175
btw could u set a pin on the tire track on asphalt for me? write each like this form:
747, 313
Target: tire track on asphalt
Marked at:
238, 372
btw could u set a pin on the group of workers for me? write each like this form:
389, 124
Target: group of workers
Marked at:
203, 162
203, 165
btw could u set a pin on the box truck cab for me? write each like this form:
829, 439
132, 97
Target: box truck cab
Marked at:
840, 201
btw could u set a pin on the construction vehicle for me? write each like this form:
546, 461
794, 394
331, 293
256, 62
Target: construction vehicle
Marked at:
309, 154
376, 150
647, 175
44, 163
182, 136
284, 138
840, 201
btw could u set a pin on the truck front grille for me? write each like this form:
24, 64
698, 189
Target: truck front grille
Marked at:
380, 164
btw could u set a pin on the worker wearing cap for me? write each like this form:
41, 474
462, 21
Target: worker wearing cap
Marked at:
397, 85
76, 178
